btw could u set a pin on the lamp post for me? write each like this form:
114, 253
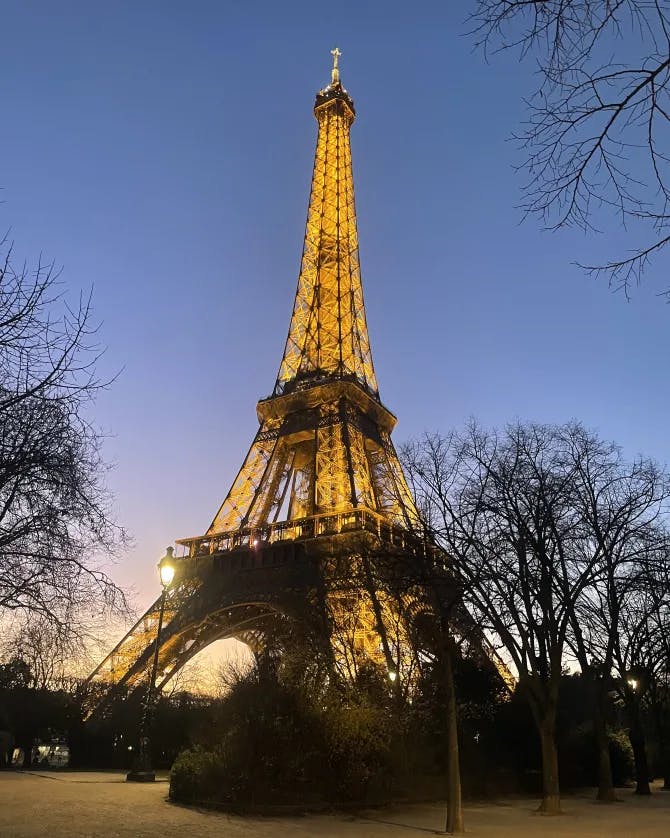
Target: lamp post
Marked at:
142, 772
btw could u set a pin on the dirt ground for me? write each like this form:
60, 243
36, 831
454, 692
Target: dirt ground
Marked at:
102, 805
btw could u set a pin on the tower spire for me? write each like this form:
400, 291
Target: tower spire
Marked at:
328, 333
335, 73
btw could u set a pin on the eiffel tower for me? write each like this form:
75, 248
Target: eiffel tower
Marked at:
321, 473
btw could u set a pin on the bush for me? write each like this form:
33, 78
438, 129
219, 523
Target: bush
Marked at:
267, 750
621, 754
359, 752
578, 757
275, 745
198, 776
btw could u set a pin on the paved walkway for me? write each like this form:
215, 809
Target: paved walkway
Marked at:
102, 805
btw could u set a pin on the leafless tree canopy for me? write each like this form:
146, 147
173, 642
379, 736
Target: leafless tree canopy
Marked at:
54, 509
598, 133
561, 548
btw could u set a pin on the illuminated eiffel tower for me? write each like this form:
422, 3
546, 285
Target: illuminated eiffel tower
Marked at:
321, 473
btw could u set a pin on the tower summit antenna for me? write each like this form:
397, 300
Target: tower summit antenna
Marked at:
335, 74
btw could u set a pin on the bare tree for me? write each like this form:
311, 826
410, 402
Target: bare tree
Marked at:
560, 547
58, 652
641, 649
658, 625
500, 506
43, 647
54, 508
621, 507
597, 135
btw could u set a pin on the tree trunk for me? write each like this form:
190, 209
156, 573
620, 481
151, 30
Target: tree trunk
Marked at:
454, 804
664, 748
666, 773
606, 793
665, 764
636, 736
661, 710
551, 795
641, 767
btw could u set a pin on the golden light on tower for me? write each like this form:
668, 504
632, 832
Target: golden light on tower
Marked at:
321, 477
328, 334
324, 443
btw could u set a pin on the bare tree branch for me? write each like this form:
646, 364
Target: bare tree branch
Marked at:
597, 131
55, 512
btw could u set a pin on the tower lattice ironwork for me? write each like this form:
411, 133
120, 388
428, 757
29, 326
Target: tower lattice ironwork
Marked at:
321, 470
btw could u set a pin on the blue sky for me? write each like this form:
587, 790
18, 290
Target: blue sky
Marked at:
162, 152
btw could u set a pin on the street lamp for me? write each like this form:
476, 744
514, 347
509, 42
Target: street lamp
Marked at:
142, 772
637, 680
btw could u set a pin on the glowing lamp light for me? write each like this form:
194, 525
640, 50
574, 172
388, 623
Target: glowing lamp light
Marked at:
166, 568
633, 683
392, 674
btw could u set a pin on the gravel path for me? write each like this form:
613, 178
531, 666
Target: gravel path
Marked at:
102, 805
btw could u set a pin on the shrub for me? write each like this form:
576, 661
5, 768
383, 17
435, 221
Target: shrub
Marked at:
359, 753
277, 746
621, 755
268, 750
198, 776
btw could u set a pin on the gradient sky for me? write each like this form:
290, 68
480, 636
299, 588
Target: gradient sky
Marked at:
162, 153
